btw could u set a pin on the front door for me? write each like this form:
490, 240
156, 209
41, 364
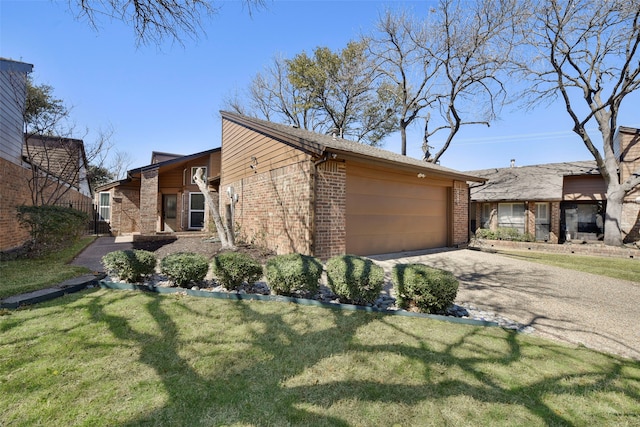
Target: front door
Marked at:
169, 212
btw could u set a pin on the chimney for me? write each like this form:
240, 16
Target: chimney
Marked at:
513, 163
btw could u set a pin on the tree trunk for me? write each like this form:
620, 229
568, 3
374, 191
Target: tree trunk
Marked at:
613, 216
226, 235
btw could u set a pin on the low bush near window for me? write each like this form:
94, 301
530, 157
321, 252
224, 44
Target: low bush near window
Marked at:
232, 269
52, 227
354, 279
293, 274
183, 268
130, 265
427, 289
503, 233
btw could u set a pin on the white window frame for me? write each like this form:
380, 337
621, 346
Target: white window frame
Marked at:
102, 208
542, 219
505, 211
485, 216
196, 210
193, 172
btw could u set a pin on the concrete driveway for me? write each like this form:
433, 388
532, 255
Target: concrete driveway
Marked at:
578, 308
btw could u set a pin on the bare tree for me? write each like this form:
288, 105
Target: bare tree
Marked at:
585, 52
154, 20
447, 67
399, 47
227, 238
273, 97
59, 161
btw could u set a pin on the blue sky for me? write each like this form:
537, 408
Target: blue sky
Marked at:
167, 98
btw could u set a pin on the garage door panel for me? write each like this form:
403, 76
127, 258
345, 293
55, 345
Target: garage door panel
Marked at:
371, 245
390, 212
396, 206
379, 225
394, 188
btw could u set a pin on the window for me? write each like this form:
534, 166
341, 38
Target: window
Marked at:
542, 213
104, 206
193, 172
486, 215
542, 221
196, 210
511, 215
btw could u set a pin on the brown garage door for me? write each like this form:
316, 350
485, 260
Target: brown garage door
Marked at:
392, 212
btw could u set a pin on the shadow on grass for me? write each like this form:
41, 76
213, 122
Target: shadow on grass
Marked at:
254, 386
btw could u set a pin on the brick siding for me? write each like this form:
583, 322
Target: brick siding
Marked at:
125, 211
594, 249
330, 237
460, 213
14, 192
149, 206
274, 208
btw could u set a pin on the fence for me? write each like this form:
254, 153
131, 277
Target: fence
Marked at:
95, 224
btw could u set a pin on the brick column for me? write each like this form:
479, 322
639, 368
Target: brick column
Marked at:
330, 233
554, 232
149, 202
460, 213
530, 215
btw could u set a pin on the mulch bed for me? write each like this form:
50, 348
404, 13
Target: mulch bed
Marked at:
205, 246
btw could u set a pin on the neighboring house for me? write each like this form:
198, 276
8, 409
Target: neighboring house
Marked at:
299, 191
159, 197
556, 202
16, 171
63, 161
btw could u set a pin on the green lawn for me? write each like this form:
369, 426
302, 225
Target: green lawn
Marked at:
27, 275
618, 268
104, 358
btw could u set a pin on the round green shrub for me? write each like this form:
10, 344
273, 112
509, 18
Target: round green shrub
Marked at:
183, 268
355, 279
130, 265
232, 269
52, 227
428, 289
293, 274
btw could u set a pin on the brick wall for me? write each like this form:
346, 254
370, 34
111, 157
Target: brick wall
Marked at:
631, 221
460, 232
274, 208
149, 206
554, 232
594, 249
530, 218
330, 237
14, 191
125, 211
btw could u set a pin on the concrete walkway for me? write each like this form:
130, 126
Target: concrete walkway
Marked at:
579, 308
92, 255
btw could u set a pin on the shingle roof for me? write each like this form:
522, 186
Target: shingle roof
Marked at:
522, 183
319, 144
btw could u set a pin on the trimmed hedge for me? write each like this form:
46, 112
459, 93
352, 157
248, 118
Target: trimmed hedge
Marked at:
428, 289
183, 268
130, 265
293, 274
355, 279
503, 233
52, 227
232, 269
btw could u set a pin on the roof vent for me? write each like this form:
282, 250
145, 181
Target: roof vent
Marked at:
513, 163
